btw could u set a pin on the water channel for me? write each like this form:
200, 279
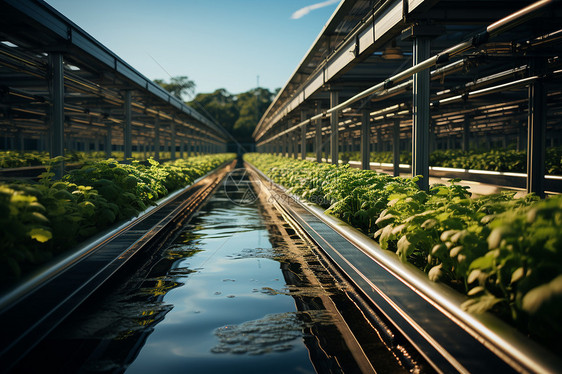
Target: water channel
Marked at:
238, 291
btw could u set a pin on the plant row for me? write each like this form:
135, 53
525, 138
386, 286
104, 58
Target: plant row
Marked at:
506, 160
40, 220
15, 159
504, 253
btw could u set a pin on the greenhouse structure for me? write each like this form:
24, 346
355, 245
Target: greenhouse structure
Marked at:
401, 212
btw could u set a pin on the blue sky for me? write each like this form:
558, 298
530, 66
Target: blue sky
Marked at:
216, 43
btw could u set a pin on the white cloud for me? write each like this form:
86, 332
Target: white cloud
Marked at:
307, 9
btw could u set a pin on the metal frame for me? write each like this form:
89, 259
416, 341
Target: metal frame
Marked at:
468, 81
47, 62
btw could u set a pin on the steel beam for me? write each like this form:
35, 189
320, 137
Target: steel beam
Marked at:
303, 136
290, 144
334, 135
108, 140
157, 138
173, 139
365, 138
536, 143
466, 133
127, 127
396, 148
420, 127
318, 136
56, 84
295, 141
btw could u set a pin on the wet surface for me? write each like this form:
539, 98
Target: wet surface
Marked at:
238, 291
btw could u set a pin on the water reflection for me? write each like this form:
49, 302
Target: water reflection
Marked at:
272, 333
238, 291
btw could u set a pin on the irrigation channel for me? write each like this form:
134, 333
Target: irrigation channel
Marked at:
240, 289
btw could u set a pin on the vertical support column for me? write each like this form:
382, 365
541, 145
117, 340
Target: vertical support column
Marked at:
173, 139
318, 135
127, 130
396, 148
466, 134
536, 133
334, 136
521, 143
189, 142
157, 137
296, 143
295, 138
56, 84
181, 144
288, 142
420, 127
108, 140
378, 147
303, 136
284, 143
365, 137
21, 142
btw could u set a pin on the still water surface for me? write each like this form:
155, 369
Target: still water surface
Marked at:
232, 294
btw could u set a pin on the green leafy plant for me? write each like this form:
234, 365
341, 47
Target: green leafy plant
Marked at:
43, 219
504, 253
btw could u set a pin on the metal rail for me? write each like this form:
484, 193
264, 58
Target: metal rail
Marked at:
428, 314
35, 308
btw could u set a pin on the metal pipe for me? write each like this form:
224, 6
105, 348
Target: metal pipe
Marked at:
517, 17
493, 30
489, 90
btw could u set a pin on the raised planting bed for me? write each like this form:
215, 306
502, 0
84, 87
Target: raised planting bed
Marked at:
504, 254
44, 219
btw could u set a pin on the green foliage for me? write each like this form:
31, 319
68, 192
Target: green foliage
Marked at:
181, 87
239, 114
504, 253
13, 159
43, 219
22, 224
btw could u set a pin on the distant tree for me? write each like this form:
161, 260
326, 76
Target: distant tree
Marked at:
181, 87
239, 114
220, 105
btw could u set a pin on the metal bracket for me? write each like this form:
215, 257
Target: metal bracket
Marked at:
422, 30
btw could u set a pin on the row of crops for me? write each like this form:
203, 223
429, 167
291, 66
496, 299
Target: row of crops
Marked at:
39, 220
15, 159
506, 160
504, 253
